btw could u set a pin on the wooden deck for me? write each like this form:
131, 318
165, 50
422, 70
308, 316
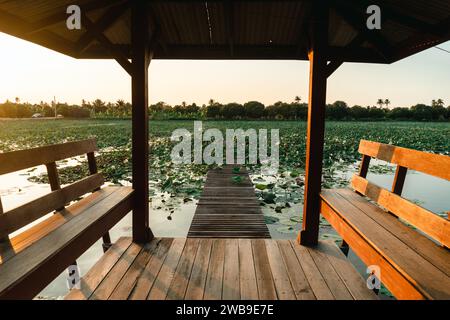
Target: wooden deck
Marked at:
228, 209
225, 269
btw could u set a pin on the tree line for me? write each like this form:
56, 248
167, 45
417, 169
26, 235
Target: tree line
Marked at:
252, 110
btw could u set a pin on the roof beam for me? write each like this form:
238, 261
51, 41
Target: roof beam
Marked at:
61, 15
155, 36
229, 25
17, 27
401, 18
358, 22
356, 42
106, 43
418, 43
106, 21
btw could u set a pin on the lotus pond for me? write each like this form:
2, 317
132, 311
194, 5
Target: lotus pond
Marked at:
174, 186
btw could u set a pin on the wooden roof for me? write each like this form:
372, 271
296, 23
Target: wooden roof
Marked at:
232, 29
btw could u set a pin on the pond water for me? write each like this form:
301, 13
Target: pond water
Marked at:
171, 216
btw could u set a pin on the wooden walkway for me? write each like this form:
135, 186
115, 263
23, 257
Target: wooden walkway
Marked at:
225, 269
228, 208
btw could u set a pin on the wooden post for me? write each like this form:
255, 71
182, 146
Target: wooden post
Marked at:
53, 178
140, 61
92, 163
5, 239
399, 180
316, 123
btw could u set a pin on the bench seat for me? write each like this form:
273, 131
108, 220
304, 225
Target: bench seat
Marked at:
30, 260
413, 264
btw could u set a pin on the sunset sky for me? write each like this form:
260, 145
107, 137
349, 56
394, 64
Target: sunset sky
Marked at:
34, 73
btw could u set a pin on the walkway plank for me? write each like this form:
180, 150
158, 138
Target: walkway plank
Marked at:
151, 271
231, 285
126, 285
180, 281
227, 209
107, 286
295, 271
94, 276
247, 273
266, 287
222, 269
348, 274
334, 282
214, 280
196, 287
165, 276
312, 273
279, 272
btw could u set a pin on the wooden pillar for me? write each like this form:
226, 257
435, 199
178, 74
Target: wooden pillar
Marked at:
140, 61
316, 123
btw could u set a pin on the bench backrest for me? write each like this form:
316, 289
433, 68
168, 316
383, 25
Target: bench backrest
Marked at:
436, 165
25, 214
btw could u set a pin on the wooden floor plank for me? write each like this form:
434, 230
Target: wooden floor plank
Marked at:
302, 289
351, 278
231, 285
247, 273
197, 281
110, 282
151, 271
180, 280
165, 276
312, 273
214, 279
279, 272
90, 281
127, 283
266, 287
334, 282
217, 269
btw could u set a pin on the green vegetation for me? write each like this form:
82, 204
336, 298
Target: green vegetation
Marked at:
279, 194
252, 110
114, 139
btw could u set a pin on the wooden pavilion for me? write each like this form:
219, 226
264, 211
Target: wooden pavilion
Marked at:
325, 32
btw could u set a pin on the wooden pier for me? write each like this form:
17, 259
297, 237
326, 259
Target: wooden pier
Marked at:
228, 207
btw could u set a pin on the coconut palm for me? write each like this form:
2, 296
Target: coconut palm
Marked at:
380, 103
387, 102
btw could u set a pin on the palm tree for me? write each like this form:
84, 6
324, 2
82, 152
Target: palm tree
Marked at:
121, 105
297, 99
17, 100
380, 103
387, 102
211, 102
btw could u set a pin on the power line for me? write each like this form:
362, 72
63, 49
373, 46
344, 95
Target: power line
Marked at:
445, 50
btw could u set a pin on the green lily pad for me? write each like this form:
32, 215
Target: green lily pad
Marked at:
269, 197
237, 179
286, 229
270, 219
261, 186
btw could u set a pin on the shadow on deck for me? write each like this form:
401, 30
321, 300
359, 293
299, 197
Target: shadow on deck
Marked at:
193, 268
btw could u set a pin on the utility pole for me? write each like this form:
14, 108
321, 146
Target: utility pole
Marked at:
54, 105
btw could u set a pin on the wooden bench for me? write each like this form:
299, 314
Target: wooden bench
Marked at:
414, 263
44, 244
